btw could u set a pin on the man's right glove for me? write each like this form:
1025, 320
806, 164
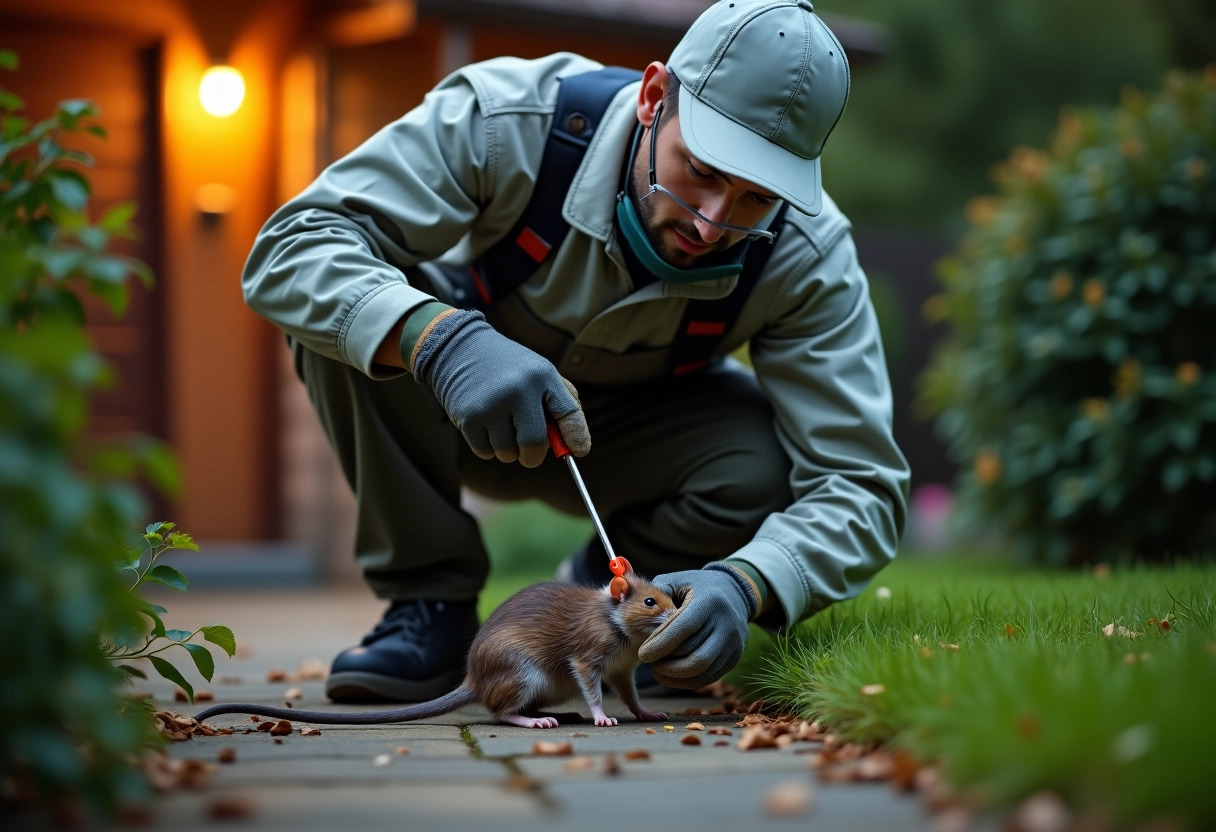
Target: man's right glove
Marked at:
496, 391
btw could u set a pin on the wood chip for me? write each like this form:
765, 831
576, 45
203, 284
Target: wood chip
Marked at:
310, 732
544, 748
578, 764
637, 754
281, 728
690, 739
227, 755
694, 726
790, 799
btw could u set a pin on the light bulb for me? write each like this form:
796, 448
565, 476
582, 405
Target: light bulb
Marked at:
221, 91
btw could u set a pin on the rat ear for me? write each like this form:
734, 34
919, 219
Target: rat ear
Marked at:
618, 588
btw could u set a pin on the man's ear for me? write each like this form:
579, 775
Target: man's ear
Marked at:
650, 96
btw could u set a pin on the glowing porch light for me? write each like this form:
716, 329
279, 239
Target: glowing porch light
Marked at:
221, 91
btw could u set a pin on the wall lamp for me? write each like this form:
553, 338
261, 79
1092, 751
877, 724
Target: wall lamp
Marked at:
222, 90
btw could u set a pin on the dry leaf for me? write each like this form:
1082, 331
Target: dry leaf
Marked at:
179, 695
402, 750
1042, 812
312, 670
720, 742
204, 696
611, 767
293, 693
544, 748
280, 728
690, 739
637, 754
877, 766
651, 731
255, 718
276, 675
310, 732
227, 755
721, 732
694, 726
382, 760
578, 764
753, 719
790, 799
229, 808
873, 690
756, 737
278, 741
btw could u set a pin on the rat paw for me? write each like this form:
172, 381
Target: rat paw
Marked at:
648, 716
529, 722
544, 722
605, 721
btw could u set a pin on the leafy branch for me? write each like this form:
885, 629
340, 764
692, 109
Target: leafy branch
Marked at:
160, 538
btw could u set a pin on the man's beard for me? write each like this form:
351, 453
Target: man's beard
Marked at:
654, 233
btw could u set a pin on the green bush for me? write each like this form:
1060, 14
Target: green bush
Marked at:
69, 508
1077, 385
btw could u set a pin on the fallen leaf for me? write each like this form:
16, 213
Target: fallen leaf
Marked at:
756, 737
790, 799
382, 760
276, 675
578, 764
1042, 812
720, 742
694, 726
753, 719
204, 696
227, 755
278, 741
310, 732
873, 690
293, 693
637, 754
611, 767
280, 728
721, 732
255, 718
229, 808
690, 739
179, 695
903, 770
544, 748
651, 731
402, 750
312, 670
877, 766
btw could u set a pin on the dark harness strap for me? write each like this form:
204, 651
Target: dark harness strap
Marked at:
582, 101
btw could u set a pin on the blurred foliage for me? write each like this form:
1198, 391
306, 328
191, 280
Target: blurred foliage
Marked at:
67, 506
529, 537
967, 80
1077, 385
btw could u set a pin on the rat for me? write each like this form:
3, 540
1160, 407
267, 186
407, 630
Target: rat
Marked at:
543, 645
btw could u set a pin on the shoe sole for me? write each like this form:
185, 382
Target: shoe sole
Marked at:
357, 687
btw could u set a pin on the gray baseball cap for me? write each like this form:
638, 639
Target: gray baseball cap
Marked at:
762, 84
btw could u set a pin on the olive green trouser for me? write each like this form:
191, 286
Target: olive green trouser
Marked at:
682, 470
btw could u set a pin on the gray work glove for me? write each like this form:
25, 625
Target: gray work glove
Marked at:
706, 636
498, 392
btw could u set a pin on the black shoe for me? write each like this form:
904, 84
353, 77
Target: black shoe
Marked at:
416, 653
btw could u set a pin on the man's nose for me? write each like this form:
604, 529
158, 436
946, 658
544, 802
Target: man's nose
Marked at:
715, 210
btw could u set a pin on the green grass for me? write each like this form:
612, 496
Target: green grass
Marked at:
1036, 696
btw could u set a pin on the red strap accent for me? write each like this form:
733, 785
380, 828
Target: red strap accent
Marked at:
480, 284
681, 369
532, 244
706, 327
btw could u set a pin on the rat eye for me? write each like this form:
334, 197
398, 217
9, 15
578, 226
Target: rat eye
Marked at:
649, 602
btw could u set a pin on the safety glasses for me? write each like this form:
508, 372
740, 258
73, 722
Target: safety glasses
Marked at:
750, 233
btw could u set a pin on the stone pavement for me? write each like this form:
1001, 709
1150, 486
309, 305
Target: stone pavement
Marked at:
462, 771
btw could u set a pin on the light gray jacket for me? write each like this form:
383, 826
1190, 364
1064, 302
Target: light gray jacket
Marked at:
450, 178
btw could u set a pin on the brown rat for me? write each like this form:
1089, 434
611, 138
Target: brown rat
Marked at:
542, 646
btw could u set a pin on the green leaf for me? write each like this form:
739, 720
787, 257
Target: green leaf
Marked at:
71, 189
167, 576
182, 541
171, 673
178, 635
133, 564
132, 671
154, 540
9, 60
222, 636
117, 218
10, 102
202, 660
158, 528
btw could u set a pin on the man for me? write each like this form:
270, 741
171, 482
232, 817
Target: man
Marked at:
760, 495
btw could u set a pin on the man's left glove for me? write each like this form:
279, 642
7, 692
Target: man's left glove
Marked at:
706, 636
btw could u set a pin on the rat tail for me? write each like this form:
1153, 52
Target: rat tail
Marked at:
436, 707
